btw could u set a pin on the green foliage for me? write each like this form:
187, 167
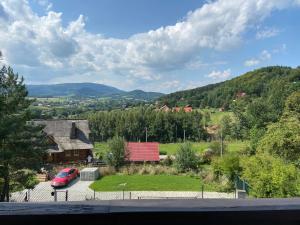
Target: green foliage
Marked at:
270, 177
270, 81
117, 152
22, 145
215, 146
266, 90
168, 161
161, 126
292, 106
24, 179
255, 135
161, 152
283, 138
186, 158
228, 165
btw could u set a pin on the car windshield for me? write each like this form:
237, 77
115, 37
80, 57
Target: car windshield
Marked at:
62, 174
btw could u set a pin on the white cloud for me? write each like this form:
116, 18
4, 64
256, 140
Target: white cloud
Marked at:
220, 75
263, 56
251, 62
47, 47
45, 3
267, 33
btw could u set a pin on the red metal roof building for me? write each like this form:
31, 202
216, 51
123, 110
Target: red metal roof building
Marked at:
143, 151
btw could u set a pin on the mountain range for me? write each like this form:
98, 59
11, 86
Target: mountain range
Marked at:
88, 90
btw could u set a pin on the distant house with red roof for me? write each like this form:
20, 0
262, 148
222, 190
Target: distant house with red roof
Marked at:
176, 109
188, 108
164, 108
143, 151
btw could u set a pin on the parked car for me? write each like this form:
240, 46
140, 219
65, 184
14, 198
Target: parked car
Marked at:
64, 177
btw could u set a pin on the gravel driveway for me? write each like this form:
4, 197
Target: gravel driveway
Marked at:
77, 191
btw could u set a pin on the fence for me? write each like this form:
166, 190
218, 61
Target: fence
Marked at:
88, 195
241, 184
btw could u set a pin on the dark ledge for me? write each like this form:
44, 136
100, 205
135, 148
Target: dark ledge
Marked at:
201, 211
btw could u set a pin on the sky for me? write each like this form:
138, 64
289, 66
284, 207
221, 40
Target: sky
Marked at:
156, 45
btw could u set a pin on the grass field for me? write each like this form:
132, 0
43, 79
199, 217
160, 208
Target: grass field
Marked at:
149, 183
171, 148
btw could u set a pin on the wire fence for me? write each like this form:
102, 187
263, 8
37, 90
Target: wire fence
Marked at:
90, 195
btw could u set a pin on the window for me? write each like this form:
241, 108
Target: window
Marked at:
68, 153
76, 153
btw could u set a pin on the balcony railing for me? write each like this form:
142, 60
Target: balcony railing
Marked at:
155, 212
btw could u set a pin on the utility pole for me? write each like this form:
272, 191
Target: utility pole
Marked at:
183, 135
146, 134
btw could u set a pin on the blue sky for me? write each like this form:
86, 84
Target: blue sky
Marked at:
152, 45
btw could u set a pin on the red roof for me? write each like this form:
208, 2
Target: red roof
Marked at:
188, 109
143, 151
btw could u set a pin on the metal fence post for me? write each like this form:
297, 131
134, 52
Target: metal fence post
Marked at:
202, 190
94, 195
55, 195
130, 195
67, 195
28, 196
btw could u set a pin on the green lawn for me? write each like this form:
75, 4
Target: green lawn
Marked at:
149, 183
171, 148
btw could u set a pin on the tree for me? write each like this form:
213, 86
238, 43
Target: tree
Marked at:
186, 158
117, 152
229, 165
270, 177
226, 127
283, 138
22, 145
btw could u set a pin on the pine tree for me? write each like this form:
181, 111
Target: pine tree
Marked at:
22, 145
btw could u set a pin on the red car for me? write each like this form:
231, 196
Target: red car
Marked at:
64, 177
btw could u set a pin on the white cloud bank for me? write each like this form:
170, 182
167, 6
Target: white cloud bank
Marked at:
220, 75
43, 46
267, 33
265, 55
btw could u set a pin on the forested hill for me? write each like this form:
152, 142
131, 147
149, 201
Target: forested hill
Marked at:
87, 90
273, 83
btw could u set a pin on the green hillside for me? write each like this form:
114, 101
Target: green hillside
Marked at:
273, 83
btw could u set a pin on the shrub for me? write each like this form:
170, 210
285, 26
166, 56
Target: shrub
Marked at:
163, 152
117, 152
229, 166
186, 158
168, 161
105, 171
207, 155
215, 146
270, 176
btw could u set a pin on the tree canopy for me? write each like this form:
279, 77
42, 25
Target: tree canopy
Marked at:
22, 145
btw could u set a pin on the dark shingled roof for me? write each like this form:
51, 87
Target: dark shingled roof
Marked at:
61, 132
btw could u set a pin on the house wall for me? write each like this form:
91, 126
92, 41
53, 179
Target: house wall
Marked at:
69, 156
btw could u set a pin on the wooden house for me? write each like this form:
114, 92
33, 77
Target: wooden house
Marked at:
68, 140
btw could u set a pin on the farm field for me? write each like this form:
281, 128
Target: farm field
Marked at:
149, 183
171, 148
